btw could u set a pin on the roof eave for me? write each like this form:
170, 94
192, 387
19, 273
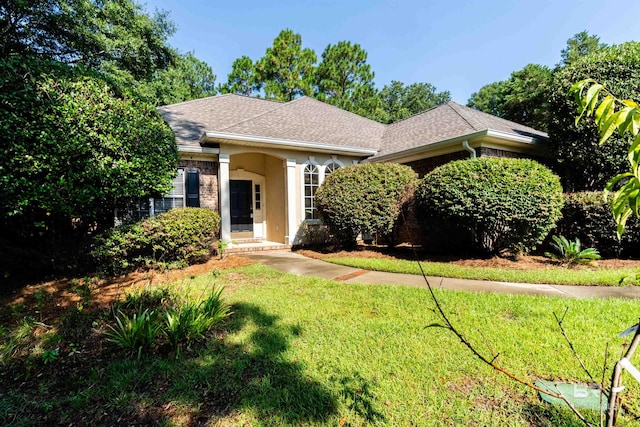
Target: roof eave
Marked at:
429, 147
286, 143
504, 136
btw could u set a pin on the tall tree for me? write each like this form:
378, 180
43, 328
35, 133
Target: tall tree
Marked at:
242, 80
490, 98
525, 96
106, 35
190, 78
344, 78
521, 98
286, 69
581, 44
400, 101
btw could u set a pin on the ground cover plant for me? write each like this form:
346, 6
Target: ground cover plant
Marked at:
306, 351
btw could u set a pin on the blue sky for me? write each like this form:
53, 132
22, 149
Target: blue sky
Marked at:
457, 46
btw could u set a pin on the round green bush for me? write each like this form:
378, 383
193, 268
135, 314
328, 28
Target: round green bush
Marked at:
491, 205
587, 216
177, 237
365, 198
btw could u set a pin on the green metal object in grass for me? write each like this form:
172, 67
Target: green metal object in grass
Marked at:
582, 396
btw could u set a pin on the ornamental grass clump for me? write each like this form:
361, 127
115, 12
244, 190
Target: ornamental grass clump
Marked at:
489, 205
366, 198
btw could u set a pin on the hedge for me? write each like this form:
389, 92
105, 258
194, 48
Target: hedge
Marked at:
180, 237
587, 216
489, 205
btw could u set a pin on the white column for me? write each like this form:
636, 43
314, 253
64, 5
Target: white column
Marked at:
292, 224
225, 198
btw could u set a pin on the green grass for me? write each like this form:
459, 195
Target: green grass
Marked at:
550, 275
306, 351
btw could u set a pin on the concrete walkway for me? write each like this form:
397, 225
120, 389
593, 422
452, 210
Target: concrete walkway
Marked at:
290, 262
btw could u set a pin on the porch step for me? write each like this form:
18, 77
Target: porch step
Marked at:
255, 245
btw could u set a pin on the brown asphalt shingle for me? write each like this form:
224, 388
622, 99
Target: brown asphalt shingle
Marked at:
189, 120
447, 121
309, 120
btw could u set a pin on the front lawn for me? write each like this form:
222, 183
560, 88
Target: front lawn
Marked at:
589, 275
306, 351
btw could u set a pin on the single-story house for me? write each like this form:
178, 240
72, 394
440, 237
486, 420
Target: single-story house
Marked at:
259, 162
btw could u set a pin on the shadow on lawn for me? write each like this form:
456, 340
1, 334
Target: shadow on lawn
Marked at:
220, 381
257, 376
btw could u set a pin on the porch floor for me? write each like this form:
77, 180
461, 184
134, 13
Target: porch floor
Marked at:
250, 245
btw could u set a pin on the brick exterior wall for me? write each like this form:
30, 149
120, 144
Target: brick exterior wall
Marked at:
424, 166
208, 181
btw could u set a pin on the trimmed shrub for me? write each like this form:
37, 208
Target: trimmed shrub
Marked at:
489, 205
364, 198
179, 237
587, 216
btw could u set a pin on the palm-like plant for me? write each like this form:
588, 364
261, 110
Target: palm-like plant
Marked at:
571, 252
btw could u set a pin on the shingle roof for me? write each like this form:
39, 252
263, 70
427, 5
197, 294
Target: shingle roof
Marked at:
309, 120
447, 121
189, 120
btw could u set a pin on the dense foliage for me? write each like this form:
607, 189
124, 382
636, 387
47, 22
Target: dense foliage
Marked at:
365, 198
521, 98
490, 204
74, 150
584, 164
179, 236
587, 216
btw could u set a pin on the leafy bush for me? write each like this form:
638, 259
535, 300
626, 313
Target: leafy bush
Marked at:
490, 204
587, 215
571, 252
179, 236
364, 198
584, 165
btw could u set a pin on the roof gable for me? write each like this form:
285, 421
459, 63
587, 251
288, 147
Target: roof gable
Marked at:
444, 122
310, 120
189, 120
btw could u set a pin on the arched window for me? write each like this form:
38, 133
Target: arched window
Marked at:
330, 168
311, 183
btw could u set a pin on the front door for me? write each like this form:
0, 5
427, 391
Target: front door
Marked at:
241, 206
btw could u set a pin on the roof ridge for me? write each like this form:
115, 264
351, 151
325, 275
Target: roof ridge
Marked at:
279, 106
341, 109
222, 95
473, 123
293, 101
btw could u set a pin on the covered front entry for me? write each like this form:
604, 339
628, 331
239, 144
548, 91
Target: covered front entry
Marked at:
241, 206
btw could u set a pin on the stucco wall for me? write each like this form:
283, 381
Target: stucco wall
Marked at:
276, 199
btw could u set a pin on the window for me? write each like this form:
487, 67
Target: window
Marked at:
258, 197
311, 183
330, 168
185, 192
175, 198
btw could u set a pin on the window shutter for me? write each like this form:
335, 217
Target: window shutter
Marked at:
192, 184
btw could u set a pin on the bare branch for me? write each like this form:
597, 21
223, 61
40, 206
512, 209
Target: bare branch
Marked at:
573, 350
